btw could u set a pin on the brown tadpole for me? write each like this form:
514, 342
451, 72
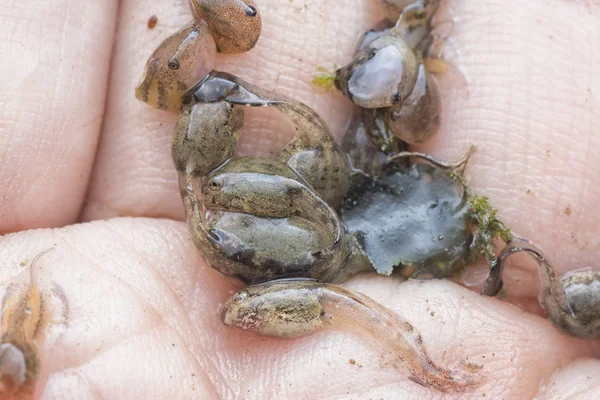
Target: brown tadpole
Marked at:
298, 307
28, 309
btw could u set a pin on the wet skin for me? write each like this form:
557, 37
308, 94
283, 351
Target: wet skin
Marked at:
295, 192
246, 205
408, 97
394, 8
257, 220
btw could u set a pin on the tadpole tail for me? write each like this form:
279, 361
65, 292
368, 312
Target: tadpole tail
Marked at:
447, 381
396, 338
195, 209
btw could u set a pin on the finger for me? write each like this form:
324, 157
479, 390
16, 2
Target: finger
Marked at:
532, 110
134, 174
144, 322
53, 79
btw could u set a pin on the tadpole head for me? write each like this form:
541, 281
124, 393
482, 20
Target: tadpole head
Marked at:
236, 24
178, 63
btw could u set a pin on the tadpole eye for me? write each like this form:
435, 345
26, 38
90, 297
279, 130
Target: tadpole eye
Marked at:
240, 297
251, 11
173, 64
214, 185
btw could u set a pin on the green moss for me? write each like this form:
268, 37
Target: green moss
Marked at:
489, 227
324, 77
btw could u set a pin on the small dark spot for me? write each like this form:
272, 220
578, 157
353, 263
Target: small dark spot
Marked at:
352, 361
174, 64
396, 98
568, 211
152, 22
251, 11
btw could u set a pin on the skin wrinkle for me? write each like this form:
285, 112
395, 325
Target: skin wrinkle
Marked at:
81, 380
130, 340
97, 393
180, 303
147, 306
102, 120
201, 368
563, 384
112, 345
183, 312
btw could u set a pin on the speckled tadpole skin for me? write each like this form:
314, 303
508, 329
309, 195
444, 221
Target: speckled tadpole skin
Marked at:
235, 24
206, 135
176, 65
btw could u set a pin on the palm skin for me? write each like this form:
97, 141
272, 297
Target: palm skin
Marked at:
143, 323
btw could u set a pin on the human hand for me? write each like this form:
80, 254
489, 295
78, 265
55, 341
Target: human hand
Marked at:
143, 319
